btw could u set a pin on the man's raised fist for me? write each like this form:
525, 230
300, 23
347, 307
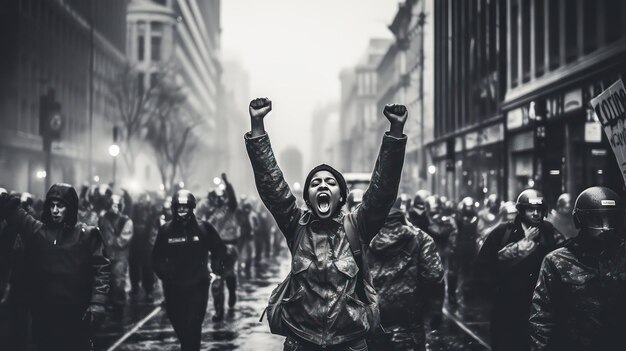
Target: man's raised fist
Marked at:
260, 107
396, 114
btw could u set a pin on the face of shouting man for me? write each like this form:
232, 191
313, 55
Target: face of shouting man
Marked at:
57, 210
324, 194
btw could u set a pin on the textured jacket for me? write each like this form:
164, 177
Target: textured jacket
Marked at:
66, 263
406, 270
324, 308
181, 252
580, 299
117, 232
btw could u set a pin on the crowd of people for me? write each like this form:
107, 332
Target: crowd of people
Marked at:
370, 269
71, 259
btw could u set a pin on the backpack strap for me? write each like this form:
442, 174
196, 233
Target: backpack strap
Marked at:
355, 246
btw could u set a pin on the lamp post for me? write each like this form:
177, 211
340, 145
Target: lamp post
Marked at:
114, 151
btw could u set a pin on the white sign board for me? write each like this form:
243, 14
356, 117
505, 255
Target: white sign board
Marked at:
610, 107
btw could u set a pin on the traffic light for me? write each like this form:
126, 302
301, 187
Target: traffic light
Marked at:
50, 117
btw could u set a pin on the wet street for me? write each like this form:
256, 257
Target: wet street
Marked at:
146, 327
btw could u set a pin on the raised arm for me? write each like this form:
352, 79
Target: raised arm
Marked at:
230, 194
270, 182
383, 188
16, 217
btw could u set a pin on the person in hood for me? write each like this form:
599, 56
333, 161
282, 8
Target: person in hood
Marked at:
67, 269
226, 217
579, 302
117, 231
333, 303
180, 260
512, 255
407, 273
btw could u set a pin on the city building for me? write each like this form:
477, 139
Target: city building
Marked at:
359, 111
406, 76
559, 55
468, 148
183, 37
49, 45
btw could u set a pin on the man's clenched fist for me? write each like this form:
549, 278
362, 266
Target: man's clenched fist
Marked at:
260, 107
396, 113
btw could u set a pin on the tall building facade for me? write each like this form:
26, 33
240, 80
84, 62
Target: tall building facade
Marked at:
183, 36
48, 45
559, 55
468, 154
359, 110
513, 83
398, 70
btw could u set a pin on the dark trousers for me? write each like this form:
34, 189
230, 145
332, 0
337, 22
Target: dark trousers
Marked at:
295, 344
60, 328
219, 295
186, 309
140, 271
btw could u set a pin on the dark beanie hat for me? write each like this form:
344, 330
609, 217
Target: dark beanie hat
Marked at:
340, 180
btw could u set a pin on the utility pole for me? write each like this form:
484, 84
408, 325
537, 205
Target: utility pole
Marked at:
91, 59
421, 22
50, 125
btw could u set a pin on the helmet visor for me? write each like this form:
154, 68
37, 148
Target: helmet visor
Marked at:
602, 219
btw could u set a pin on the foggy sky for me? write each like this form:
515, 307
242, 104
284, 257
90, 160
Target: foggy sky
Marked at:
294, 51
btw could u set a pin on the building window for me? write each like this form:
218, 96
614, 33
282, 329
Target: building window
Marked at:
590, 23
554, 31
571, 30
140, 47
613, 20
155, 54
526, 30
540, 62
140, 87
514, 25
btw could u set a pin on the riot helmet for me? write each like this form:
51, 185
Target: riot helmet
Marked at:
531, 206
599, 210
564, 204
115, 204
183, 204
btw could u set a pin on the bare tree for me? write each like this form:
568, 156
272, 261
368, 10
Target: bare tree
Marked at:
170, 133
136, 103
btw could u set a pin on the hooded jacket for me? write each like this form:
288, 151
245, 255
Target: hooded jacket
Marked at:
406, 269
66, 262
324, 308
580, 299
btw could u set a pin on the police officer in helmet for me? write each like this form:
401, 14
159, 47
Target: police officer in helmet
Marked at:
580, 299
511, 256
180, 259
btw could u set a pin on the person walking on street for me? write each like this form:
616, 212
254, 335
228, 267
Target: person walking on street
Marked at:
333, 304
561, 216
226, 219
407, 272
180, 260
580, 298
67, 269
512, 254
117, 232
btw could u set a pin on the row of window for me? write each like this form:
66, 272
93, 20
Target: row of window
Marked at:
559, 32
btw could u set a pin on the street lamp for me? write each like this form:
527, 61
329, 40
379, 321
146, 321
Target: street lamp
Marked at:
114, 151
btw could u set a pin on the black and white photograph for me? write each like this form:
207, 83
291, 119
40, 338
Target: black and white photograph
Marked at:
329, 175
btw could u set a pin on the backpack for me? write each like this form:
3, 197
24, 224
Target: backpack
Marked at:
274, 309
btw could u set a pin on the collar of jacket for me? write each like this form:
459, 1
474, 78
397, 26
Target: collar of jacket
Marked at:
309, 218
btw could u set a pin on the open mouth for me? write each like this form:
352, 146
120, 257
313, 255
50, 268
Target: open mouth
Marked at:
323, 203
